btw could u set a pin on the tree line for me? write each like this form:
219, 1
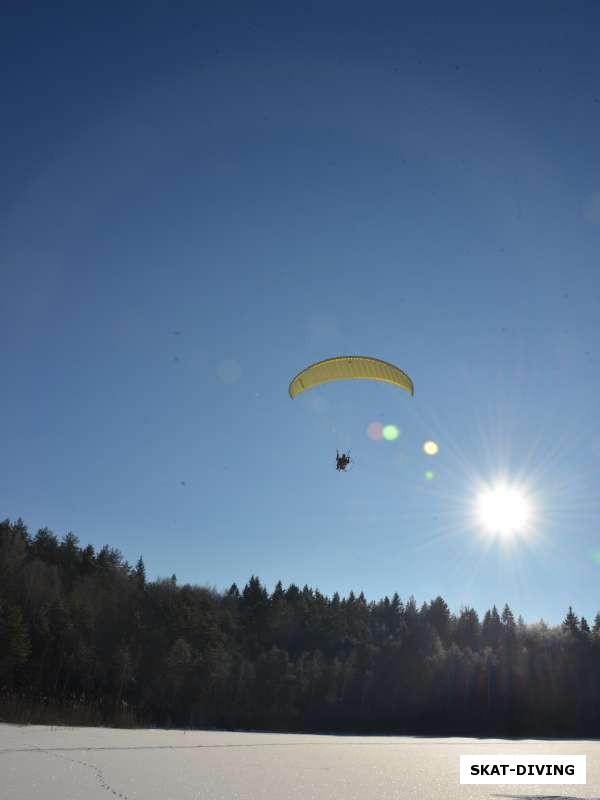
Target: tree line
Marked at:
85, 637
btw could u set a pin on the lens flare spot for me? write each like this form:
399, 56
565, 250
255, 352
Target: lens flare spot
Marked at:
596, 556
592, 210
429, 475
390, 433
431, 448
375, 431
229, 371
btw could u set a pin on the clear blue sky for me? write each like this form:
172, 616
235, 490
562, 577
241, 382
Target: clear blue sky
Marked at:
280, 183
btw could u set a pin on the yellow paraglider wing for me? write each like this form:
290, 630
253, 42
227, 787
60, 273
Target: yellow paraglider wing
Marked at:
345, 368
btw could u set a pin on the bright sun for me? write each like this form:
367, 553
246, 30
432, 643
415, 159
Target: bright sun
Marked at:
503, 509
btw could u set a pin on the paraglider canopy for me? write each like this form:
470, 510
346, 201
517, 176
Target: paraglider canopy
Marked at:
344, 368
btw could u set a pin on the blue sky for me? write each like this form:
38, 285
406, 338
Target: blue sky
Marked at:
198, 202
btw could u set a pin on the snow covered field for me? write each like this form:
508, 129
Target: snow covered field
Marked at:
95, 763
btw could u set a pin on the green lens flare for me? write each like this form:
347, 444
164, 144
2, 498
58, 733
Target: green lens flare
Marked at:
429, 475
390, 432
596, 556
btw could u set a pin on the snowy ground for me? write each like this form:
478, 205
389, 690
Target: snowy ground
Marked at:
96, 764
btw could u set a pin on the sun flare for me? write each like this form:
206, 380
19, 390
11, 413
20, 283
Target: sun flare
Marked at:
503, 509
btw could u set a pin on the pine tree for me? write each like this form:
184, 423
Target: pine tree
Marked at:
491, 629
467, 629
140, 573
438, 615
508, 619
570, 623
15, 645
